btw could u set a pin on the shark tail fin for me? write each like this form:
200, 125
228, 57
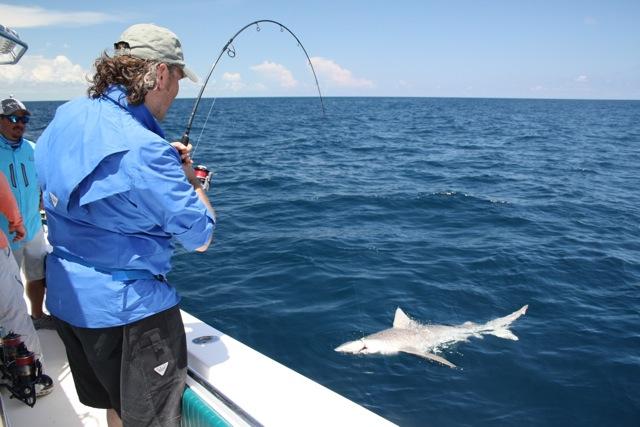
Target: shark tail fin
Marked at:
503, 322
500, 326
402, 321
504, 333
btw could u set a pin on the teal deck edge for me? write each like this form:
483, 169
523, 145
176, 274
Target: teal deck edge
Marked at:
197, 413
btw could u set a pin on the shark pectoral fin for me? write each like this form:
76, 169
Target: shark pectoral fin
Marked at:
429, 356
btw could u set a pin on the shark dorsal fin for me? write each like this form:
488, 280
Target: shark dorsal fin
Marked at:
402, 321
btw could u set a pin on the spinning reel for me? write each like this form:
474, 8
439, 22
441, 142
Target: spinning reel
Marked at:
20, 371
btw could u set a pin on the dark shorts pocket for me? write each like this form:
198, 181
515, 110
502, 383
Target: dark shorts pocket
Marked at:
154, 371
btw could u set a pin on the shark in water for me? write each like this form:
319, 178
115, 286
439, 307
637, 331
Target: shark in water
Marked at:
410, 336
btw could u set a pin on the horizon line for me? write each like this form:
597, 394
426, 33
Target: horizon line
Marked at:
379, 96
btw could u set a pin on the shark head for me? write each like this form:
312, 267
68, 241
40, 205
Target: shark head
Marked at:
353, 347
364, 345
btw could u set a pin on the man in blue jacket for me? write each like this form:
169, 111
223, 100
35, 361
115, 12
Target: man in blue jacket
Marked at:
117, 197
16, 162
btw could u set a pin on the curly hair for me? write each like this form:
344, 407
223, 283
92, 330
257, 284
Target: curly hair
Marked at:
138, 76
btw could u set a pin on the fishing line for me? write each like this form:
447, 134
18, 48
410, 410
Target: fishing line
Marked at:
229, 48
206, 120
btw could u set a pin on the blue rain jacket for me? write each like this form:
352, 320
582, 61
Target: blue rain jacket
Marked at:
116, 198
18, 167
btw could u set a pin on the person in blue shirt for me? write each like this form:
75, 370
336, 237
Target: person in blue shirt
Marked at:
16, 162
118, 196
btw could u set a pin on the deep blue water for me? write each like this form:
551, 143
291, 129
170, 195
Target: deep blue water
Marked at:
454, 210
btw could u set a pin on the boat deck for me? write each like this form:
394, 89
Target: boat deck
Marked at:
61, 407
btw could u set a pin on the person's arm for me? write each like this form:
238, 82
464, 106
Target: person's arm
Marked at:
9, 208
164, 191
197, 186
187, 166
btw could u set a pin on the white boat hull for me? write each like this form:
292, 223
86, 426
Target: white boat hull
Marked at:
243, 386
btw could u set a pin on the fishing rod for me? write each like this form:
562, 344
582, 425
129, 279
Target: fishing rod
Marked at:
232, 53
201, 171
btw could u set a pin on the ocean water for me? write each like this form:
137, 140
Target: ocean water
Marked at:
454, 210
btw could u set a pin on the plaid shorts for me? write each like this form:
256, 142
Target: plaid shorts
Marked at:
137, 369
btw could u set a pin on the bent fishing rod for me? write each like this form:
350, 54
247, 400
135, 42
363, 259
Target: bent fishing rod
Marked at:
232, 53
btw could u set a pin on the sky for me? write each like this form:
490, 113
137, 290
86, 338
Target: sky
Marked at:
456, 48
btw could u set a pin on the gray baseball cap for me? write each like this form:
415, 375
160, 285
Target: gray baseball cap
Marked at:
149, 41
11, 105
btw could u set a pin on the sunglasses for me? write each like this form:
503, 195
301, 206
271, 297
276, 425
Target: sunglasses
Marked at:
15, 119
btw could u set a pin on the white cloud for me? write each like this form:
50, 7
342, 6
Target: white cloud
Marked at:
36, 69
233, 81
582, 79
337, 75
231, 77
276, 72
34, 16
